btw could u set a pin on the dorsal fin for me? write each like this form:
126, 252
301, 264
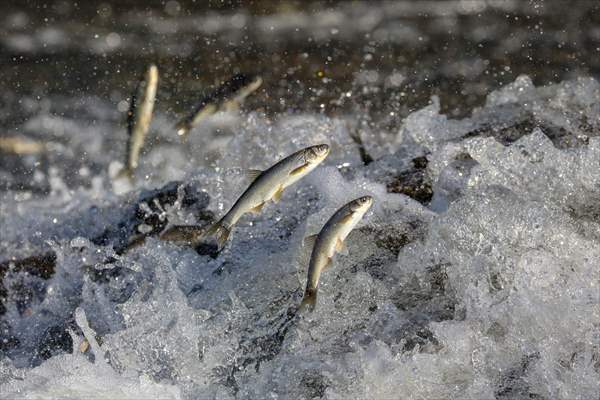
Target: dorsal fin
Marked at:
309, 241
252, 174
306, 250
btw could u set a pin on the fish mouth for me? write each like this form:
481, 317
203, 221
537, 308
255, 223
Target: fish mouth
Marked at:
321, 151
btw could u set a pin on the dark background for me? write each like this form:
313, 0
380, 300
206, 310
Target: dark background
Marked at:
458, 50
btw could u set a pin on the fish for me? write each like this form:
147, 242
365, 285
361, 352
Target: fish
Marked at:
330, 241
228, 96
20, 145
139, 117
268, 185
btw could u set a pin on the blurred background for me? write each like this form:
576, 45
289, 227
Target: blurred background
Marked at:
322, 55
68, 68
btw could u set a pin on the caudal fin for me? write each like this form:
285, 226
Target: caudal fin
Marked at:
309, 301
125, 173
220, 231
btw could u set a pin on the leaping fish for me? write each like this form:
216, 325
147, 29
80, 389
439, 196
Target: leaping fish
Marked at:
227, 96
329, 241
139, 117
20, 145
268, 185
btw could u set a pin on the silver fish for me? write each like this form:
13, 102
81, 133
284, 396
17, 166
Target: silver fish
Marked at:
139, 117
226, 97
329, 241
269, 185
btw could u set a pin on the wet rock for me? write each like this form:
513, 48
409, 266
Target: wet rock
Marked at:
414, 182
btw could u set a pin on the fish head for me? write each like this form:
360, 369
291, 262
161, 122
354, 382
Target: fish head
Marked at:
315, 154
254, 83
361, 205
182, 129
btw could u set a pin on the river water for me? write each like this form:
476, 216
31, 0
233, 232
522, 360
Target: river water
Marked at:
473, 124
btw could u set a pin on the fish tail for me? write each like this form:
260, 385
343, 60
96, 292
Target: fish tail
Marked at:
309, 300
221, 232
125, 173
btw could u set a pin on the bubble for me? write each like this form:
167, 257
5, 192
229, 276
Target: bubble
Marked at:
123, 106
113, 39
172, 8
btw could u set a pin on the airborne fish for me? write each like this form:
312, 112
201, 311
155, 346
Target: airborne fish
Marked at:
329, 241
268, 185
139, 117
227, 96
21, 146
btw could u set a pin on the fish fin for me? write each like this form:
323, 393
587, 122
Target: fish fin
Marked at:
277, 196
347, 218
182, 234
328, 264
222, 235
252, 174
341, 248
309, 301
258, 208
299, 170
307, 245
220, 231
309, 241
125, 173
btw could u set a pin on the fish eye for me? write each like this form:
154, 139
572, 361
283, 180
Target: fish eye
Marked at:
365, 200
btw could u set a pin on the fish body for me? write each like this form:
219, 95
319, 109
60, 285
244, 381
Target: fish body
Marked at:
331, 240
269, 185
21, 146
139, 117
228, 96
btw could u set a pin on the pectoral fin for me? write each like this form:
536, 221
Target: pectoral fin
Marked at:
277, 196
341, 248
258, 208
299, 170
